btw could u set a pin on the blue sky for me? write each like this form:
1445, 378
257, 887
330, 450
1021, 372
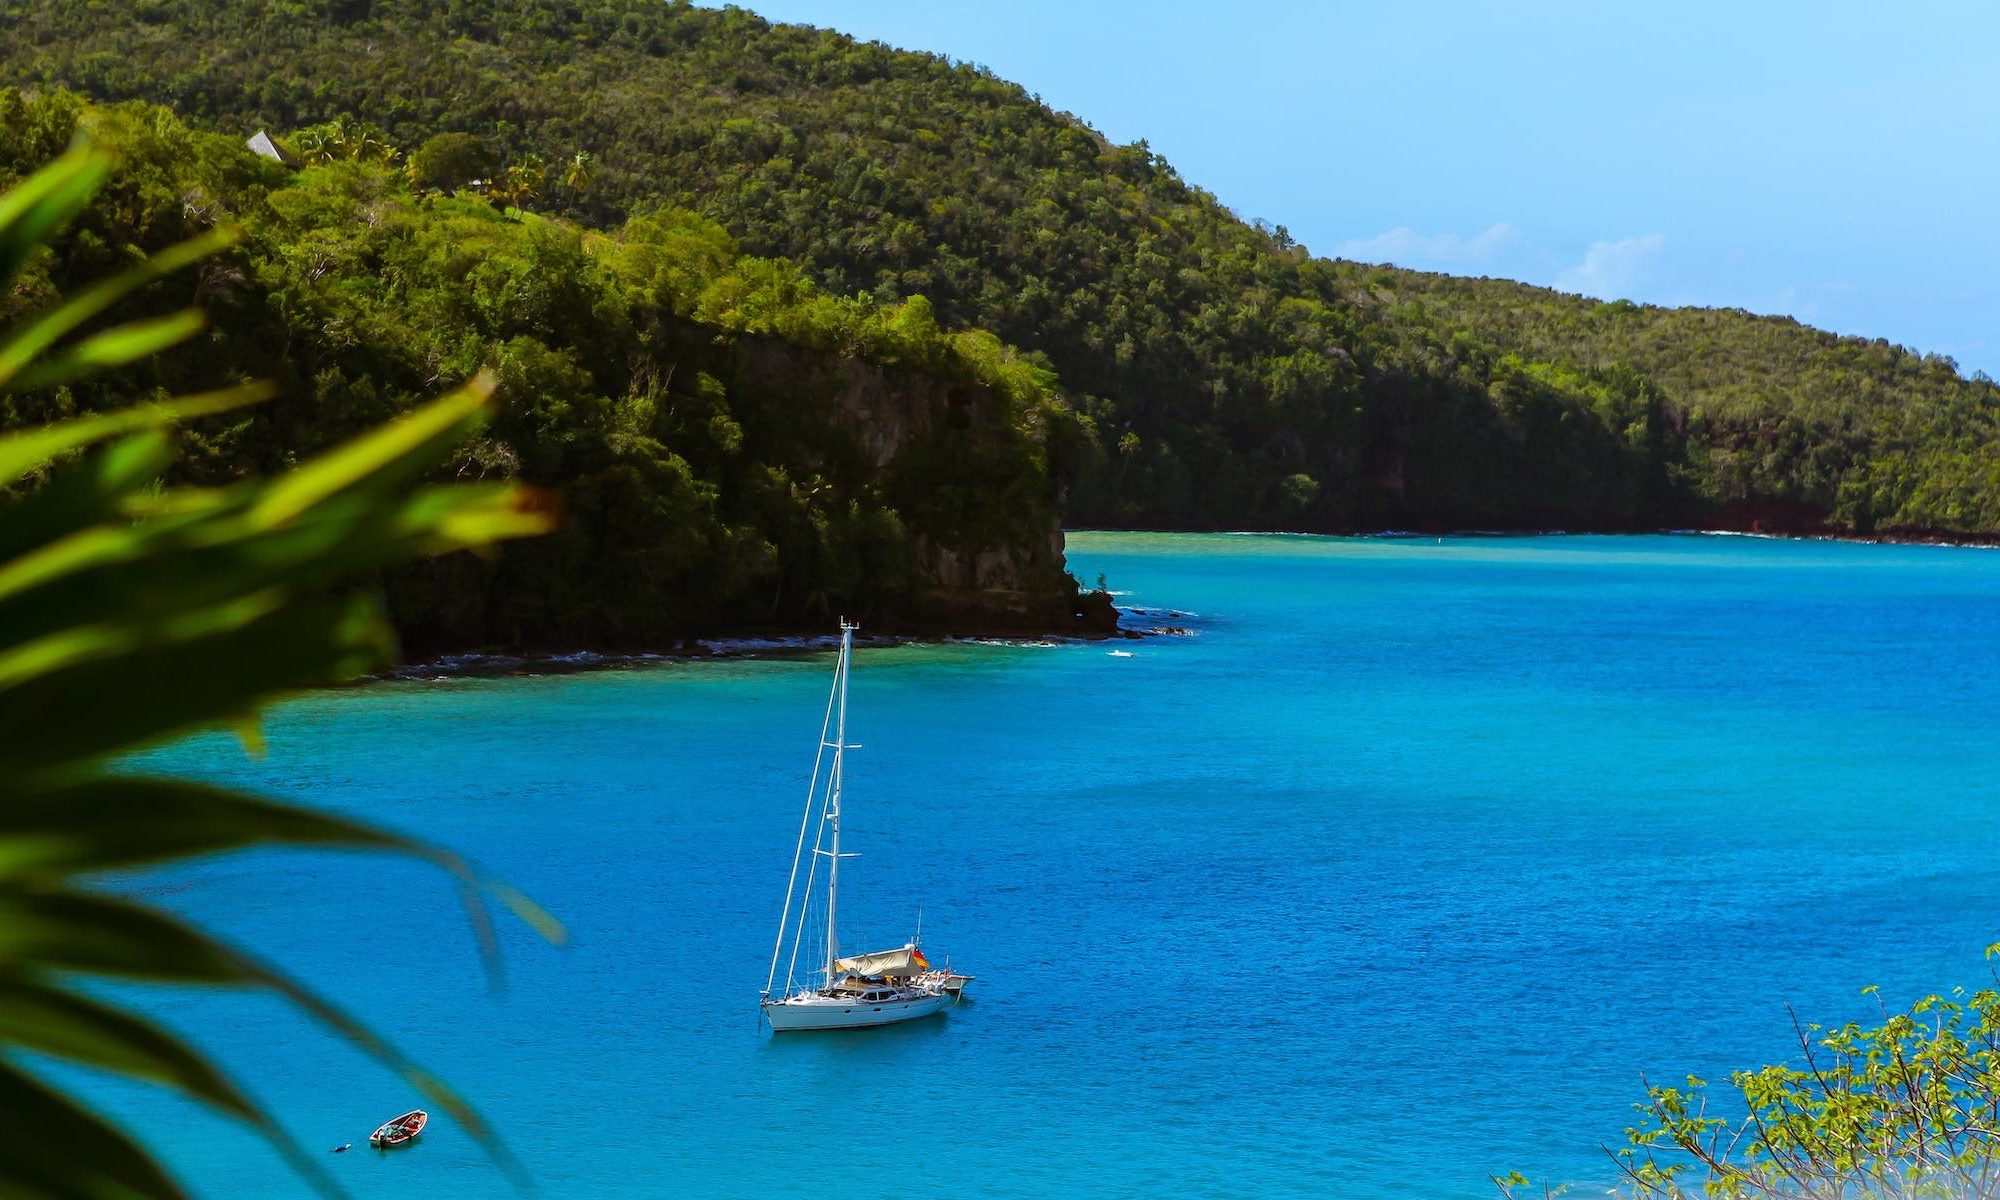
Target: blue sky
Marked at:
1838, 162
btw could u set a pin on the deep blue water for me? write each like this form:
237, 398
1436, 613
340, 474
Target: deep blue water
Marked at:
1397, 873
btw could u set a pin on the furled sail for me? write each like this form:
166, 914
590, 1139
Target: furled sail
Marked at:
904, 960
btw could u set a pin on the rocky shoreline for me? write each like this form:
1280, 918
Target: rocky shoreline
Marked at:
474, 665
1805, 532
1144, 622
1097, 617
1880, 537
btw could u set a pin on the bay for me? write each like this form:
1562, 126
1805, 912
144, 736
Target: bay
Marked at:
1397, 869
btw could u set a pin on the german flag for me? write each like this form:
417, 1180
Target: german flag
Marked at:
917, 957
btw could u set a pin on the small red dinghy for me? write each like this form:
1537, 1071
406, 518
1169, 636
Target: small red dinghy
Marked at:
401, 1131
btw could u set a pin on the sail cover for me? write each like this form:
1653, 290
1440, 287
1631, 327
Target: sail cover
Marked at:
904, 960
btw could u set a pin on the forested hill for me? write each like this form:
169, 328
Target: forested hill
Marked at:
1785, 423
1227, 377
731, 449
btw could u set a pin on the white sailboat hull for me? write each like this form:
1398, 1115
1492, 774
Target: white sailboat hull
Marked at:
815, 1011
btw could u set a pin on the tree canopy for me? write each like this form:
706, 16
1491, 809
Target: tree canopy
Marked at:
449, 161
1226, 376
731, 446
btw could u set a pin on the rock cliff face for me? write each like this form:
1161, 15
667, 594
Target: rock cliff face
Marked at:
971, 542
1002, 588
969, 475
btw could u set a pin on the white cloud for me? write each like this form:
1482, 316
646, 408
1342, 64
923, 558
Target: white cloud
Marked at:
1626, 268
1405, 247
1614, 270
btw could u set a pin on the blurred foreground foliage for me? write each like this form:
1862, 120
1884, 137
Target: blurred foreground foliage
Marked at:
132, 612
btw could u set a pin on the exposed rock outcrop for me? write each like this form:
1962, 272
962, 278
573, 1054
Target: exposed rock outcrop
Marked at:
967, 472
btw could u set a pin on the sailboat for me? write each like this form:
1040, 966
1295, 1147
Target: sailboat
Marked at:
858, 992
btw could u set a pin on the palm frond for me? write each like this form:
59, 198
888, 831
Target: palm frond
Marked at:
132, 613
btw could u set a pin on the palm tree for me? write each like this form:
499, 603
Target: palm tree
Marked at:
368, 143
521, 182
342, 139
580, 172
341, 132
313, 145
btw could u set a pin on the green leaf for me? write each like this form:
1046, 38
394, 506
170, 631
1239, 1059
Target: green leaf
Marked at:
534, 915
115, 822
382, 457
34, 209
206, 556
94, 491
129, 615
54, 929
53, 1149
75, 931
90, 693
29, 449
65, 1024
116, 347
24, 345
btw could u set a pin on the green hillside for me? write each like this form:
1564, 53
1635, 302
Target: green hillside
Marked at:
1781, 421
730, 447
1226, 377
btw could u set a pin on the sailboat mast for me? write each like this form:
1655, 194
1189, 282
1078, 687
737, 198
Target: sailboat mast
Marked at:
833, 805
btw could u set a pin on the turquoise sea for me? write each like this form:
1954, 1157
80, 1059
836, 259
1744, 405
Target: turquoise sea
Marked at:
1397, 871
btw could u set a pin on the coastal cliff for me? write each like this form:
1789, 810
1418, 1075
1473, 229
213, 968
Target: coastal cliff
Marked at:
731, 449
967, 539
972, 479
889, 484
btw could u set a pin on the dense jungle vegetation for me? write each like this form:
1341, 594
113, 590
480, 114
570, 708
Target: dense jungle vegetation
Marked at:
1225, 377
711, 425
1782, 419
